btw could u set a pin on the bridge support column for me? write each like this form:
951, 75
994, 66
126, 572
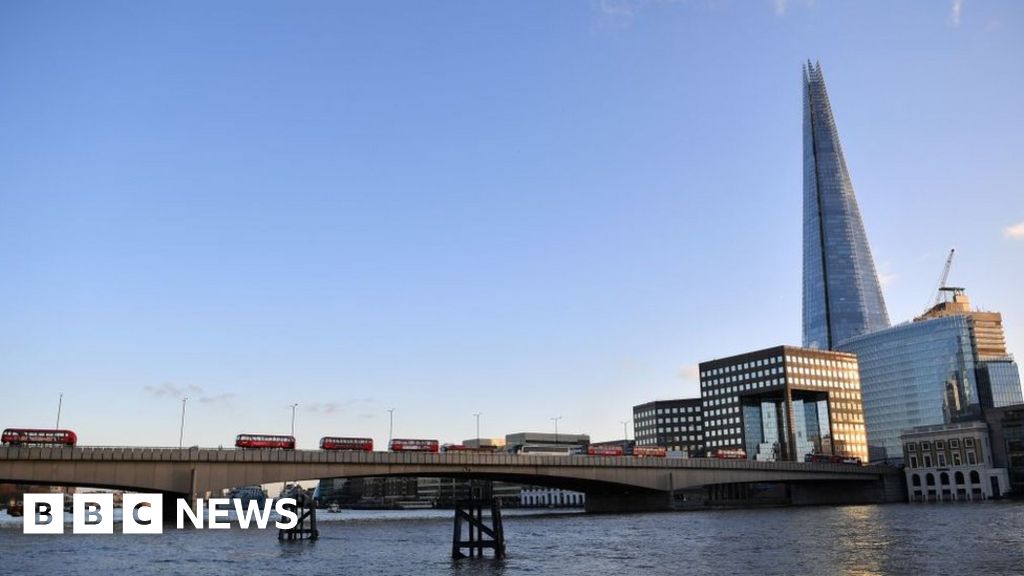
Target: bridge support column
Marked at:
598, 503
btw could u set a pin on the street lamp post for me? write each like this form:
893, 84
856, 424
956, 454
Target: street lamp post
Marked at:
293, 407
60, 403
477, 414
391, 425
555, 419
625, 430
181, 432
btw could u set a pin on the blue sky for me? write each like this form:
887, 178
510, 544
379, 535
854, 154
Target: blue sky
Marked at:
524, 209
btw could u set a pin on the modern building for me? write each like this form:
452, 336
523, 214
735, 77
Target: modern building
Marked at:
842, 297
674, 424
997, 374
948, 365
951, 462
783, 403
914, 374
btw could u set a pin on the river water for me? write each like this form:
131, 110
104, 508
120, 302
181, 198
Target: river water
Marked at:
912, 539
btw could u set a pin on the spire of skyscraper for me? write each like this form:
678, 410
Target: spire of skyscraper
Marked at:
841, 294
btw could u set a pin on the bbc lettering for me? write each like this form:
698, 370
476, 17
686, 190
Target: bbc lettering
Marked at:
143, 514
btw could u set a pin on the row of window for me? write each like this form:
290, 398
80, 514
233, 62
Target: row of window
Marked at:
940, 460
940, 444
665, 411
944, 478
740, 377
843, 374
840, 384
741, 367
846, 364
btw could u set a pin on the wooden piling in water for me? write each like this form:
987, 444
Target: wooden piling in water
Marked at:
480, 535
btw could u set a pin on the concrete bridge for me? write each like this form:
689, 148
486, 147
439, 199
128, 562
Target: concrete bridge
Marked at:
610, 483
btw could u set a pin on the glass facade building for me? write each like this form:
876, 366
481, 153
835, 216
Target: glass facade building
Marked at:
999, 383
916, 374
841, 294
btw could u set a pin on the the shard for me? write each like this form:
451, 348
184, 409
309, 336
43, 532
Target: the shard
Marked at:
841, 294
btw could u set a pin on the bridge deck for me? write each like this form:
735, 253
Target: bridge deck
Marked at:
230, 455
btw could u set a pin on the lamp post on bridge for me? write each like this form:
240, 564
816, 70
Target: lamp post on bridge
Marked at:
625, 430
181, 431
60, 403
293, 407
555, 419
477, 415
391, 425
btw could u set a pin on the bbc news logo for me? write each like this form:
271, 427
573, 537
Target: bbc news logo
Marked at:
143, 514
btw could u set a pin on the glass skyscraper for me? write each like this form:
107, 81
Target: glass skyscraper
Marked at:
915, 374
841, 294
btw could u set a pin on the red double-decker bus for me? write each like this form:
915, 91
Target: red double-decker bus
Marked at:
36, 437
605, 451
340, 443
730, 454
650, 451
265, 441
413, 445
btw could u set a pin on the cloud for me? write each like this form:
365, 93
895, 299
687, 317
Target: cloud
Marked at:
954, 12
334, 407
689, 372
168, 390
1015, 231
615, 13
223, 398
173, 390
780, 7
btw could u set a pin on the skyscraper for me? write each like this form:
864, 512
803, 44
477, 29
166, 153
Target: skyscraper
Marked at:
841, 294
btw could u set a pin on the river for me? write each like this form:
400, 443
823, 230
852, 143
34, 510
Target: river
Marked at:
912, 539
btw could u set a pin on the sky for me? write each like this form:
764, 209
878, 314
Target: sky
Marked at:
527, 210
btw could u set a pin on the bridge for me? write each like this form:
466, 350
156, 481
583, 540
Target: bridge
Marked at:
618, 483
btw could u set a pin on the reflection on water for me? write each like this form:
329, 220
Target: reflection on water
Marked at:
855, 540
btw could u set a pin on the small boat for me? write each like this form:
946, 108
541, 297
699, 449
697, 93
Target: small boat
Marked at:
334, 508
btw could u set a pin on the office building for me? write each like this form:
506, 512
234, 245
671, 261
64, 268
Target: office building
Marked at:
842, 297
948, 365
673, 424
997, 374
783, 403
914, 374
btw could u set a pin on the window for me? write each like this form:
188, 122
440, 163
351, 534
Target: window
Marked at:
926, 445
969, 442
913, 461
912, 447
942, 460
971, 459
956, 459
954, 443
927, 460
940, 445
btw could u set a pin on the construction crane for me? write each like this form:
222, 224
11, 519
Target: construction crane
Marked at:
943, 278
